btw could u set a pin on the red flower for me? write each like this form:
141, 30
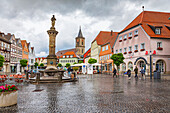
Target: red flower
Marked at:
6, 88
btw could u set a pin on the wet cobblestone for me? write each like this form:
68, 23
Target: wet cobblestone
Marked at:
97, 93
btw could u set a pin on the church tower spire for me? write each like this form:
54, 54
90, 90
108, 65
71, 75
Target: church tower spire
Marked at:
80, 43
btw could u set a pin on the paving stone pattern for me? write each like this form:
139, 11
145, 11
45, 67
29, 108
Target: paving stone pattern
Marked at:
94, 93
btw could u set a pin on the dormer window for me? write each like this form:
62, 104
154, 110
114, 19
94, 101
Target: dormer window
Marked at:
158, 31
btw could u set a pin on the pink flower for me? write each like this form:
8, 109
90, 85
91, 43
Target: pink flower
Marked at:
2, 87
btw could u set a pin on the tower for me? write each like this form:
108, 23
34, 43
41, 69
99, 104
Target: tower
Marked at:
80, 43
51, 58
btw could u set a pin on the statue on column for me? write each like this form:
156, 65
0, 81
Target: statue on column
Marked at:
53, 21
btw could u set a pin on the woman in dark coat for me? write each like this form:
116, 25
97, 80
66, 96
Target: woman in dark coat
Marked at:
114, 72
129, 73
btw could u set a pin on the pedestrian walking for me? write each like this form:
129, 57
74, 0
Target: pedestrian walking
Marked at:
142, 71
136, 72
129, 74
114, 72
69, 71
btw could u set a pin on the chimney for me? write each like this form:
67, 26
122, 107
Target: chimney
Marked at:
143, 8
111, 32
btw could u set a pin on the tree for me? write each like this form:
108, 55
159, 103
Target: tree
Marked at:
74, 63
35, 64
59, 65
23, 62
68, 65
42, 65
80, 62
117, 59
75, 68
92, 61
1, 61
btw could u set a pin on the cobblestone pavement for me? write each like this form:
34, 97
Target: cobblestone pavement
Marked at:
97, 93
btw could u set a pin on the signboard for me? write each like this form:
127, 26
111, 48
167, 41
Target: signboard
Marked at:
89, 69
84, 69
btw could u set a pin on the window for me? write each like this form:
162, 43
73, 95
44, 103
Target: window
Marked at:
159, 44
142, 46
136, 47
116, 51
130, 48
82, 50
120, 38
71, 56
136, 32
125, 50
158, 31
125, 36
107, 47
67, 56
108, 56
130, 34
103, 49
120, 50
2, 44
82, 42
63, 56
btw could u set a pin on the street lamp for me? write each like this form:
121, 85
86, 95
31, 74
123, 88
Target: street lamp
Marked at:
150, 64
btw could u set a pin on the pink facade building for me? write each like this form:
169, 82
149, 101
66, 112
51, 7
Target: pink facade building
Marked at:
148, 33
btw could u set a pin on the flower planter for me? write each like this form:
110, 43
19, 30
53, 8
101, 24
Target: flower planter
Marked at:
124, 39
125, 52
129, 37
120, 40
142, 50
8, 98
135, 35
136, 51
159, 48
130, 52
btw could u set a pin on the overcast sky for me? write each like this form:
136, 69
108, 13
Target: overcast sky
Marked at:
30, 19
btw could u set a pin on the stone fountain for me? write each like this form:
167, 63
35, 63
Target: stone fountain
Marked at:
51, 69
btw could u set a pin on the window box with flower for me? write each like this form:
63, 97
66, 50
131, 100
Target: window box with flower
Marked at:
130, 52
8, 95
120, 40
136, 51
159, 48
142, 50
125, 52
136, 35
129, 37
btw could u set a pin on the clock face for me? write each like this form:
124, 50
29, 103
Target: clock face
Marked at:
51, 62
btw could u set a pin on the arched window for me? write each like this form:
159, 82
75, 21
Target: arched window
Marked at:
123, 67
130, 66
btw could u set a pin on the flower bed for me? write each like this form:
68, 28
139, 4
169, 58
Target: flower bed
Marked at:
8, 95
159, 48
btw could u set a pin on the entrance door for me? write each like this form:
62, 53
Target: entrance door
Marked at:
142, 65
160, 65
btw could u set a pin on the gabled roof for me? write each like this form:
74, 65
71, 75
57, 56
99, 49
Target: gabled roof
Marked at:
24, 42
3, 38
60, 53
151, 19
105, 37
8, 36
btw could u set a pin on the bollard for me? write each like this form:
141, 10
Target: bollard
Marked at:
38, 77
27, 77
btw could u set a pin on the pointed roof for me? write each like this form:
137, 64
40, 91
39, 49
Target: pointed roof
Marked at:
149, 20
80, 33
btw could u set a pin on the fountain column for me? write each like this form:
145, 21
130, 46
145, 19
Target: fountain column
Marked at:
51, 58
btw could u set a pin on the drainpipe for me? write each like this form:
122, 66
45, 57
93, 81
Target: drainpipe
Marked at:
150, 64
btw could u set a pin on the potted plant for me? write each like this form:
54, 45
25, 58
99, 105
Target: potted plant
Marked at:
8, 95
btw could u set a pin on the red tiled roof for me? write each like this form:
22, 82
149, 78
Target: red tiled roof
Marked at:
60, 53
152, 18
105, 37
